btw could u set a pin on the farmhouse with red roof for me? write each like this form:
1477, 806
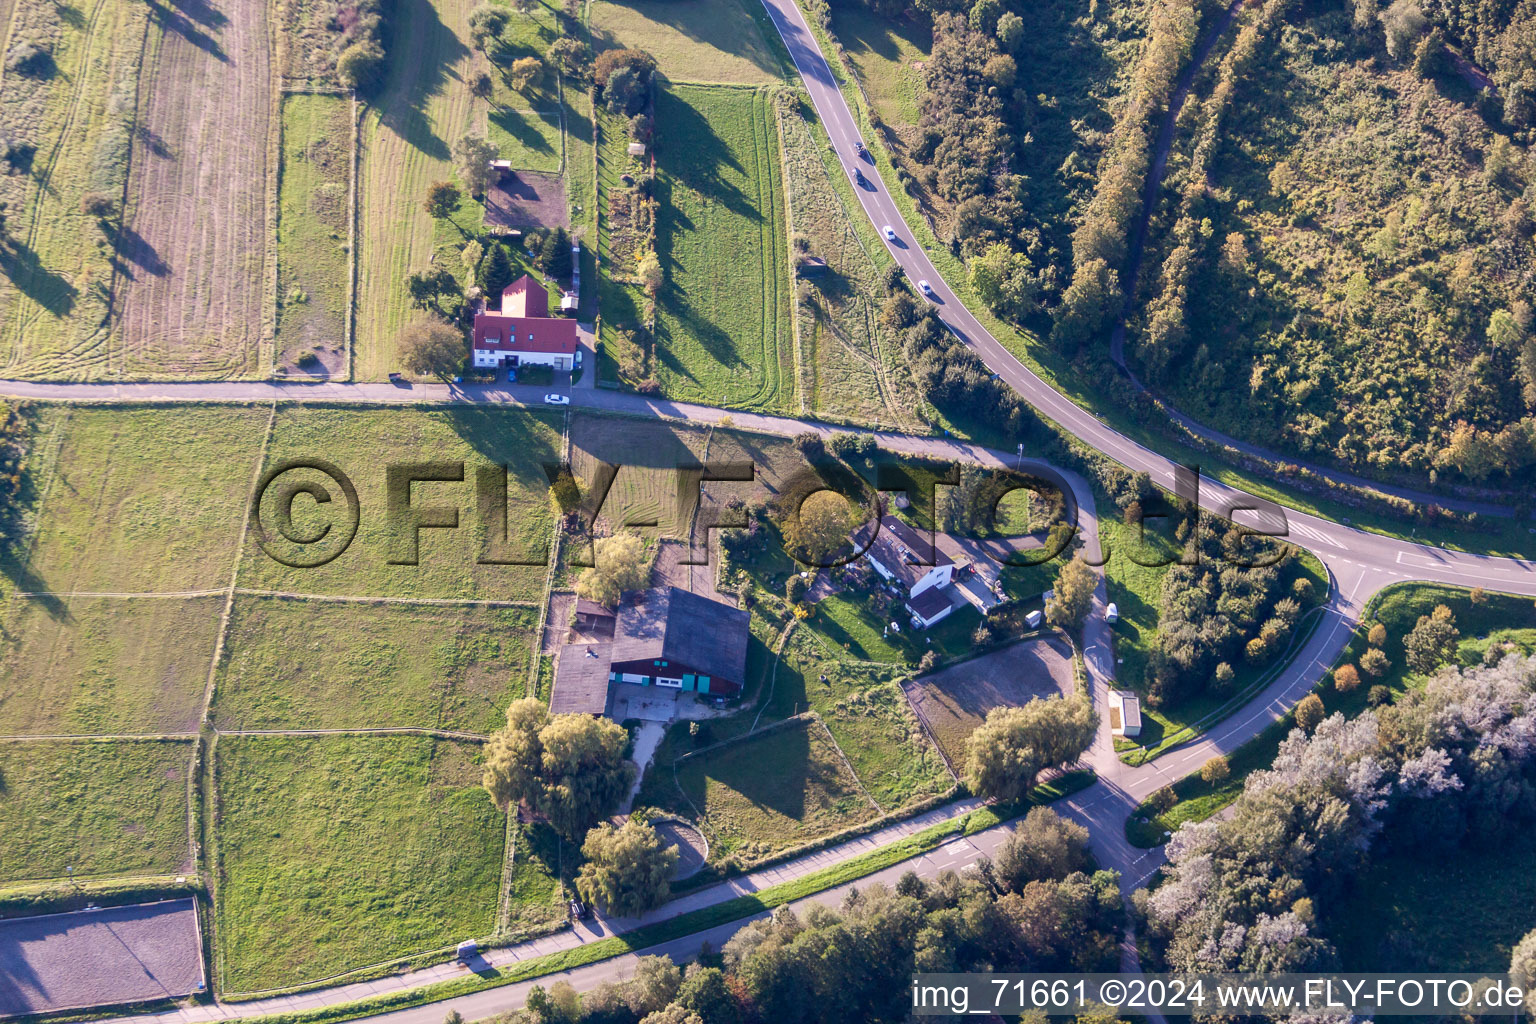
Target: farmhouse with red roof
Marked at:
523, 333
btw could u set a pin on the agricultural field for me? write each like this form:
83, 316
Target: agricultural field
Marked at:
449, 563
849, 366
68, 129
312, 232
341, 665
194, 280
715, 41
723, 332
888, 56
955, 700
773, 791
141, 500
423, 107
334, 853
100, 808
104, 665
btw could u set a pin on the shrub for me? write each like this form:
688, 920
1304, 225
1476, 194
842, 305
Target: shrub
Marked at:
29, 59
1346, 678
795, 588
1216, 771
1377, 637
1375, 663
361, 66
98, 205
1310, 712
1378, 696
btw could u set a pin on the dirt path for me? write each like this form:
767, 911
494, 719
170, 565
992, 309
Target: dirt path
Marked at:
195, 293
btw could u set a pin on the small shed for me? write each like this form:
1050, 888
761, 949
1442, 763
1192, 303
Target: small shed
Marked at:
1034, 618
1124, 714
811, 266
637, 149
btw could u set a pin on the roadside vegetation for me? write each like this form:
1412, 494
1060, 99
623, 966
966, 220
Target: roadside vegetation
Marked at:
1446, 768
728, 41
849, 363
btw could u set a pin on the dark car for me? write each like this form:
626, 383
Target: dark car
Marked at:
399, 381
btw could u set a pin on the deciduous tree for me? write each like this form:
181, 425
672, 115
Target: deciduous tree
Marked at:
472, 158
1073, 594
429, 346
1014, 745
442, 199
628, 870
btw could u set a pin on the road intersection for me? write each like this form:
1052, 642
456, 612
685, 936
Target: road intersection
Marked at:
1359, 563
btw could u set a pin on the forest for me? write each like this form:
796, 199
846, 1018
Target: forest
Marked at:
1344, 229
1446, 767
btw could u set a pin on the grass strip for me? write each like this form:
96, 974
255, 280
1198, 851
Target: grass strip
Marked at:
702, 919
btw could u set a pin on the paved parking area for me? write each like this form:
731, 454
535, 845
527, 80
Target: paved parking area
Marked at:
90, 958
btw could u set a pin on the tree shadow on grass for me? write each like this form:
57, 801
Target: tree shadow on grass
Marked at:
522, 130
135, 248
701, 164
22, 267
183, 18
403, 109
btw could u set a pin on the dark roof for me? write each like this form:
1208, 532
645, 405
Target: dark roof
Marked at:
707, 636
904, 551
930, 602
593, 609
581, 680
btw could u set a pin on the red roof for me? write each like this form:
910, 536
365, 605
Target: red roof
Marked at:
525, 297
524, 323
497, 333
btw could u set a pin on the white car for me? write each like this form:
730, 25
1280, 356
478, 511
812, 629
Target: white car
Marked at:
890, 233
925, 288
553, 399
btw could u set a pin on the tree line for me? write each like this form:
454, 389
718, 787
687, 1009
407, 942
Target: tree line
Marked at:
1039, 906
1448, 765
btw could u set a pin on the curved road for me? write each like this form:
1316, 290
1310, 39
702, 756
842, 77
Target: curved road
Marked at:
1359, 563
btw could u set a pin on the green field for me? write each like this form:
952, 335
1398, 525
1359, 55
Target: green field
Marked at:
849, 366
448, 560
336, 853
141, 500
89, 665
530, 138
341, 665
99, 808
313, 217
723, 332
773, 791
886, 54
58, 268
693, 40
405, 137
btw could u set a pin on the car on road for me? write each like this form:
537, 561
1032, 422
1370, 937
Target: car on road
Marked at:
858, 145
889, 233
926, 288
554, 399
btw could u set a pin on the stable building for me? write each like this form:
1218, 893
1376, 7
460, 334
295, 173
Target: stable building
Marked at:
668, 638
522, 333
